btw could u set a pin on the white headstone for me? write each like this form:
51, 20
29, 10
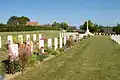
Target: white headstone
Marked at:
13, 51
60, 35
74, 37
64, 34
40, 36
34, 37
99, 33
55, 43
64, 40
27, 37
31, 45
20, 38
49, 43
10, 39
79, 36
0, 42
41, 44
67, 37
118, 39
60, 42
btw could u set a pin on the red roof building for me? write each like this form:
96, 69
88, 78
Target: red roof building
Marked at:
33, 23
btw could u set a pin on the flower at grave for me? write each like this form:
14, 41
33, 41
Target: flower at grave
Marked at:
36, 47
31, 45
28, 41
24, 54
43, 35
25, 49
42, 49
45, 40
21, 48
14, 39
46, 53
71, 38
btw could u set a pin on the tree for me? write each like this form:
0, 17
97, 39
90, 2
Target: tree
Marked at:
14, 20
64, 25
56, 25
23, 20
116, 29
92, 27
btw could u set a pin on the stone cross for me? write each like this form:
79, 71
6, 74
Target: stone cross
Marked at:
87, 27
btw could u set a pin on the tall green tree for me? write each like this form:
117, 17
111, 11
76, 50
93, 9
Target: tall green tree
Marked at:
14, 20
64, 25
56, 25
84, 26
92, 27
23, 20
117, 29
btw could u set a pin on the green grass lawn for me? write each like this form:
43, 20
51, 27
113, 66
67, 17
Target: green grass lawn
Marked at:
3, 50
97, 58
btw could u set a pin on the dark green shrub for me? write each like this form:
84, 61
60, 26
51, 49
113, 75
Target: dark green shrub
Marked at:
40, 57
31, 60
48, 50
11, 67
89, 35
60, 49
84, 37
55, 52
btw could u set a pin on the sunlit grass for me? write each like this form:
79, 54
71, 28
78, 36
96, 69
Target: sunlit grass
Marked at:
97, 58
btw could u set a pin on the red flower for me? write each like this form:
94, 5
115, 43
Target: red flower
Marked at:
45, 40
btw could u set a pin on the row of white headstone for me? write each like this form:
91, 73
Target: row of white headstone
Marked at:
41, 42
116, 38
62, 40
102, 34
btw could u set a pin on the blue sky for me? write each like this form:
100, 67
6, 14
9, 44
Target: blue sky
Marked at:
74, 12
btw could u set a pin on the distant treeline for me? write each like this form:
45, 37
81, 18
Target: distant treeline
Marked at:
5, 28
16, 23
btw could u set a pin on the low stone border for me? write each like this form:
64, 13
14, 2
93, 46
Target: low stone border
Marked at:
11, 76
